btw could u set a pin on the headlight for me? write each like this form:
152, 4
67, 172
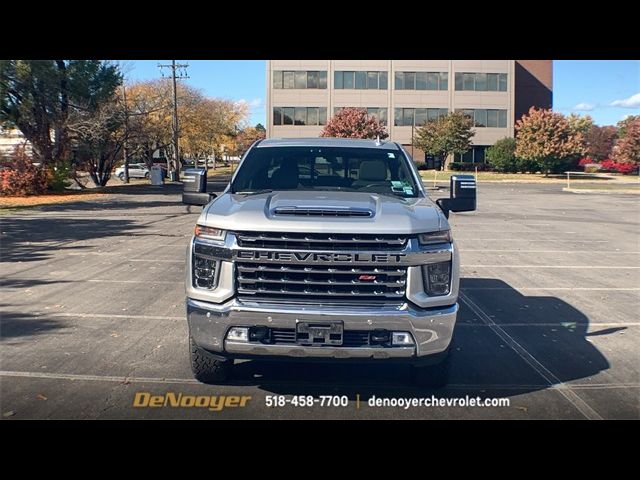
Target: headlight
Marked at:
209, 233
442, 236
437, 278
204, 273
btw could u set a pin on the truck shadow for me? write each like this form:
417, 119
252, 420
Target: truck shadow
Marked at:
483, 364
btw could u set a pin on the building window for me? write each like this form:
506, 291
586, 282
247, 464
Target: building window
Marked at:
348, 79
312, 79
406, 117
277, 79
372, 80
299, 79
492, 118
475, 154
299, 115
480, 117
287, 114
481, 82
502, 119
277, 116
377, 112
361, 80
421, 80
288, 80
322, 82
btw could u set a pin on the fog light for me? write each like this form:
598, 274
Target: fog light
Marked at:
437, 277
238, 334
401, 338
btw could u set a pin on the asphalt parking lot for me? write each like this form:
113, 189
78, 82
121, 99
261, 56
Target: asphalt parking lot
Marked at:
92, 302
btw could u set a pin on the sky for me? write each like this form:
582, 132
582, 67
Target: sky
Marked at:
607, 90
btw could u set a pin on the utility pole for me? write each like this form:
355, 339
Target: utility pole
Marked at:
174, 77
126, 133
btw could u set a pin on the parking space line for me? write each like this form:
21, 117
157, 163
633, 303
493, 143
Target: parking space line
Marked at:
557, 325
573, 398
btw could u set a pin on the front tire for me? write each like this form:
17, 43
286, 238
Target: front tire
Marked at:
121, 177
205, 367
432, 376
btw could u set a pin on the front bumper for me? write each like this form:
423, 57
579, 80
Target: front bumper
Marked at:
432, 328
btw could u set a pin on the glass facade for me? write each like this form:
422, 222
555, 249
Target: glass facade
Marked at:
359, 80
421, 80
301, 79
299, 115
486, 117
476, 154
481, 82
406, 117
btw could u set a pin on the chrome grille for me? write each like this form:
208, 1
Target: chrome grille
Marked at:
321, 241
335, 282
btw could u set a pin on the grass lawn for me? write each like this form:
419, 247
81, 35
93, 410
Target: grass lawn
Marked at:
221, 171
429, 175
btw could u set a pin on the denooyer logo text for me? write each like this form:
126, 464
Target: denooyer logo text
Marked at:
215, 403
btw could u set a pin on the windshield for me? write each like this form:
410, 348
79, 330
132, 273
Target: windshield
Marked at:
325, 168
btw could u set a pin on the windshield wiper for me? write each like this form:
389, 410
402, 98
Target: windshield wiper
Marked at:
253, 192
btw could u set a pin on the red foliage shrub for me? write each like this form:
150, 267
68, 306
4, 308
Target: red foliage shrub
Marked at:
19, 176
618, 167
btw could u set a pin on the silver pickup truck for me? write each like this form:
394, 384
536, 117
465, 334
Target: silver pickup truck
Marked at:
323, 249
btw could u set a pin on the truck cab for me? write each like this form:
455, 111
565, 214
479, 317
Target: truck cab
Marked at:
323, 249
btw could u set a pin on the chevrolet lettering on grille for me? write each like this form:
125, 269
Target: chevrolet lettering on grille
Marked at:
310, 257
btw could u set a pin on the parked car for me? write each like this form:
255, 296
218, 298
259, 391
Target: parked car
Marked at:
136, 170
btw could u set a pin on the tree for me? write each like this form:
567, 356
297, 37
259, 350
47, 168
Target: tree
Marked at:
247, 137
580, 124
39, 96
447, 135
548, 139
624, 124
627, 148
501, 155
261, 128
100, 137
354, 123
599, 141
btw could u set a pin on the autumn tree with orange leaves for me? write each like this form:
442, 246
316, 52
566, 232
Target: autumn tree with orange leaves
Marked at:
548, 139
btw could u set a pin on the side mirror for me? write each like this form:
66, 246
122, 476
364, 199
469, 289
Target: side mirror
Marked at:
194, 190
462, 195
197, 198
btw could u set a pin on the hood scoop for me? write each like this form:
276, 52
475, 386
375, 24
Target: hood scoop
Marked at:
322, 212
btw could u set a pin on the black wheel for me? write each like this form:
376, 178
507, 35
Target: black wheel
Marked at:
433, 376
206, 368
146, 175
121, 177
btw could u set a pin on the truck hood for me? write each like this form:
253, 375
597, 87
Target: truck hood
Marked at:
389, 215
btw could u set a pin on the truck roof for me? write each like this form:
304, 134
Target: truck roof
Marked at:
326, 142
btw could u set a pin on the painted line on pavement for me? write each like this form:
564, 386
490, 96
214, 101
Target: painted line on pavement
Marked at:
573, 398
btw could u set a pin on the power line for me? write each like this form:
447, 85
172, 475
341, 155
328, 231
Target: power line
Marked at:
178, 72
